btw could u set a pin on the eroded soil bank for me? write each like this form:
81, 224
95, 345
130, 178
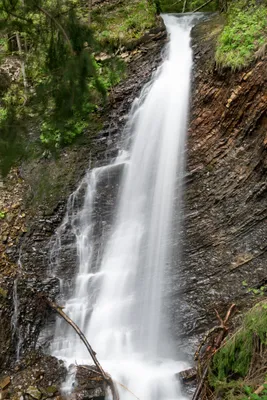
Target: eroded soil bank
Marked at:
224, 208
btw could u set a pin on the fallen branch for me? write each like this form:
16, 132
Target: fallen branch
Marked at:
201, 383
107, 378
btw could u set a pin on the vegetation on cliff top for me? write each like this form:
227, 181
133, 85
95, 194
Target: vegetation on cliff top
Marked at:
244, 36
123, 24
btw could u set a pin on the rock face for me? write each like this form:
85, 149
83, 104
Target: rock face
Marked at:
225, 211
36, 377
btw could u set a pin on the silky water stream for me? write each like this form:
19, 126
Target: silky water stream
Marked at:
117, 296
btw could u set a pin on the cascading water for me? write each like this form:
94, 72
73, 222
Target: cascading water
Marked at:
118, 306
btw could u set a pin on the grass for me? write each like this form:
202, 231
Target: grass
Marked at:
242, 357
117, 25
244, 36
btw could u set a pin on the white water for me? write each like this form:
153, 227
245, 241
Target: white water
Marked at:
119, 307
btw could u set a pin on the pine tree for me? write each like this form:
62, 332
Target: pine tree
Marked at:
58, 73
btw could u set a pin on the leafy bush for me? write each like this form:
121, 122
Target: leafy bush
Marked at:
244, 34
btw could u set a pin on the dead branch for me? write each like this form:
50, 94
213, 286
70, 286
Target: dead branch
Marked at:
202, 6
205, 339
201, 383
213, 348
222, 329
124, 387
92, 353
60, 27
228, 314
260, 389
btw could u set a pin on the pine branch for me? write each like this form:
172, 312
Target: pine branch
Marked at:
60, 27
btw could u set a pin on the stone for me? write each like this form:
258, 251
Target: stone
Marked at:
188, 375
34, 392
5, 382
3, 394
49, 391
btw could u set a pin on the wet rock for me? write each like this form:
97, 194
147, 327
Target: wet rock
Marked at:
5, 382
4, 394
34, 392
188, 376
225, 201
96, 394
49, 391
89, 384
37, 376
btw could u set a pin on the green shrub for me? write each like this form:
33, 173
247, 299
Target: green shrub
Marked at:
230, 365
244, 34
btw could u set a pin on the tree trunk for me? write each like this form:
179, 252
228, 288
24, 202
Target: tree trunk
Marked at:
90, 12
184, 6
22, 63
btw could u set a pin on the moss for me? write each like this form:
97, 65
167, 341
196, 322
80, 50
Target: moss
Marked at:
231, 364
243, 36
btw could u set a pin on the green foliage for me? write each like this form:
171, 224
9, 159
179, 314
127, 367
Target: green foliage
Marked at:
2, 214
231, 363
257, 292
244, 34
253, 396
63, 85
123, 22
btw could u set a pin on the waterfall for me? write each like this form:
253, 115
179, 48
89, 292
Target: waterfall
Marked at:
118, 294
